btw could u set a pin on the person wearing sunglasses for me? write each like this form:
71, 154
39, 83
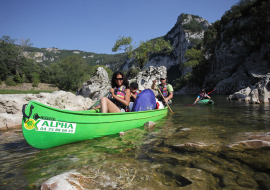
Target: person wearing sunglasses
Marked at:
202, 96
119, 95
165, 89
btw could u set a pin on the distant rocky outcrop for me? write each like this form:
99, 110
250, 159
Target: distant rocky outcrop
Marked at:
181, 40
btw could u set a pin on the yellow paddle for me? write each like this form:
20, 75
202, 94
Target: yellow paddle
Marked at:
164, 99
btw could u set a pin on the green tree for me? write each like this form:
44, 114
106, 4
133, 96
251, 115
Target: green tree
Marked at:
73, 73
8, 54
144, 50
194, 57
12, 54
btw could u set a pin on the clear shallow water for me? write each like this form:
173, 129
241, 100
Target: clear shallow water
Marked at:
194, 138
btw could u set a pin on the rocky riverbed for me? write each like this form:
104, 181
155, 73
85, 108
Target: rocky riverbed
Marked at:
225, 146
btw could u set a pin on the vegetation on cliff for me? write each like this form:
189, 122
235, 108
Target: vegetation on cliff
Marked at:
142, 53
246, 21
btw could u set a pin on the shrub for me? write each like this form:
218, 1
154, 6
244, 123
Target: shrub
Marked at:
35, 82
10, 82
193, 26
181, 82
17, 78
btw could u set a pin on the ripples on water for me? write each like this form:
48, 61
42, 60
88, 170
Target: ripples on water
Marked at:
188, 149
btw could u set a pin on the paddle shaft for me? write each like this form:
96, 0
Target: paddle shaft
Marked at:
211, 91
164, 99
97, 101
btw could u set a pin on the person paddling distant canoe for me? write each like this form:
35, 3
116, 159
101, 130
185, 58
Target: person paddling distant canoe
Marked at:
120, 95
202, 96
165, 89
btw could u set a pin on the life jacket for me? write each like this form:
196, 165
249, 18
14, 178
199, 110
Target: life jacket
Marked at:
163, 90
136, 94
120, 92
203, 96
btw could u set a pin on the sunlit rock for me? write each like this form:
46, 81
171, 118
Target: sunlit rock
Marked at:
67, 181
97, 86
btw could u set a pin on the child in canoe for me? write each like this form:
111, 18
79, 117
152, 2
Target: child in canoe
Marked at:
134, 91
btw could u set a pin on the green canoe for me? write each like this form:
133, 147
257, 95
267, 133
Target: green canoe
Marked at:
206, 102
45, 127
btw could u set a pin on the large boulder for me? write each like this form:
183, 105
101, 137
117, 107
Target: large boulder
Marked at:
256, 94
97, 86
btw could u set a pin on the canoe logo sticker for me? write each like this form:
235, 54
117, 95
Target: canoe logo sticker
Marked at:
50, 126
29, 124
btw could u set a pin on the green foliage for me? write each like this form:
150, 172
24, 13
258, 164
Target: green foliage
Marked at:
17, 78
183, 16
256, 31
35, 79
210, 36
194, 58
10, 82
72, 73
181, 82
35, 82
144, 50
199, 72
193, 26
124, 43
4, 72
133, 72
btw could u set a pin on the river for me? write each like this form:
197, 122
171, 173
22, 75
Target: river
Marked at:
220, 146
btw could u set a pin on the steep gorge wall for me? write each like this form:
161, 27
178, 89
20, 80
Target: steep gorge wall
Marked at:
180, 39
237, 63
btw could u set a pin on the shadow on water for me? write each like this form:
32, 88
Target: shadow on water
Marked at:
220, 146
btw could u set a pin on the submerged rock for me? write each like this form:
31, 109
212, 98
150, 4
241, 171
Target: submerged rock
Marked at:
149, 126
67, 181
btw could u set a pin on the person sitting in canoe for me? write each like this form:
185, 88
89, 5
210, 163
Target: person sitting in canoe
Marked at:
202, 96
120, 95
165, 89
134, 91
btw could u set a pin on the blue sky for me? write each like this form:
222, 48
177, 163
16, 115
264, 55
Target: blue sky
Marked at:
95, 25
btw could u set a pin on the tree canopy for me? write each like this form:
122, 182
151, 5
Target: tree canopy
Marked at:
144, 50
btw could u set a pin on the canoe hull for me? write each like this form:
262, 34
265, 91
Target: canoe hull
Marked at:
49, 127
206, 102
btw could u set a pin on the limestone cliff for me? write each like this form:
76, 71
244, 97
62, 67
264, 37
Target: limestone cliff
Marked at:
181, 38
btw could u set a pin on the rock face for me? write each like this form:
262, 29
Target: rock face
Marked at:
11, 105
256, 94
97, 86
145, 77
180, 39
236, 64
